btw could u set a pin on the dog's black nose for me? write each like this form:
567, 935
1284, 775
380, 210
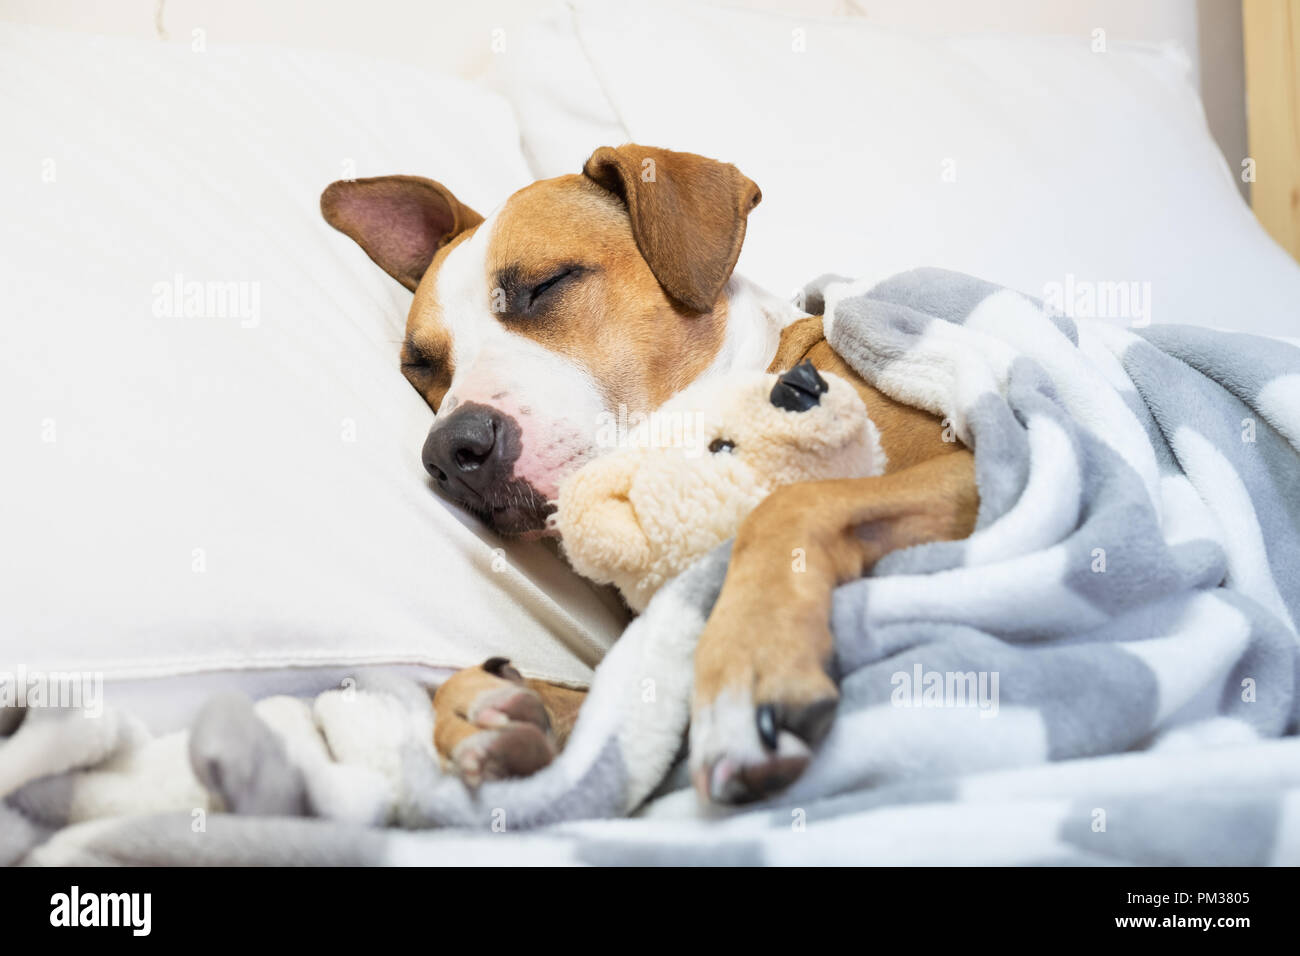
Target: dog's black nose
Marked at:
798, 389
464, 449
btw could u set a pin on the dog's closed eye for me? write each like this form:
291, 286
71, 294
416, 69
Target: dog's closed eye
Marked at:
416, 361
427, 370
539, 290
520, 295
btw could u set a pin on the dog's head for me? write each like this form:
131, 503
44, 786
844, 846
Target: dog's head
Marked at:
578, 298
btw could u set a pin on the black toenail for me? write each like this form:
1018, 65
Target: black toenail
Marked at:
501, 667
812, 722
766, 717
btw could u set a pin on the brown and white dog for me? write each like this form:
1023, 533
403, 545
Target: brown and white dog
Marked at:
614, 289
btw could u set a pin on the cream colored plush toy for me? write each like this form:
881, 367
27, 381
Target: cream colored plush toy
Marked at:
681, 481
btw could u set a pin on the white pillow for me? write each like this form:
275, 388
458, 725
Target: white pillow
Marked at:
1030, 161
239, 488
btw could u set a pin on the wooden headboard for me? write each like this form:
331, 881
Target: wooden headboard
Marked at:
1272, 34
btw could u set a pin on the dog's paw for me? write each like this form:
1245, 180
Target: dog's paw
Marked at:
757, 716
490, 725
518, 750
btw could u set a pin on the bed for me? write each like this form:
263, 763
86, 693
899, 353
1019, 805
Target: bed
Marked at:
218, 486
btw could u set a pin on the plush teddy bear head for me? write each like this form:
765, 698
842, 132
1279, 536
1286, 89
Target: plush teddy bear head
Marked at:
682, 479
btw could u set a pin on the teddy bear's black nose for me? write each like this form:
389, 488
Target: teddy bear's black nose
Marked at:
798, 389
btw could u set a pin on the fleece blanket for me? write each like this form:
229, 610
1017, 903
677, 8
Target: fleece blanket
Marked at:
1105, 671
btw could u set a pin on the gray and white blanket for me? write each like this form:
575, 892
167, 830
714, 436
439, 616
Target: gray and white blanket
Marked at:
1105, 671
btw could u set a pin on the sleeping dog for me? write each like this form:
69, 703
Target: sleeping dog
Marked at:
610, 291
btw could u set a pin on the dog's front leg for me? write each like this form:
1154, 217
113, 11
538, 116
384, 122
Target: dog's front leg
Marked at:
490, 723
763, 692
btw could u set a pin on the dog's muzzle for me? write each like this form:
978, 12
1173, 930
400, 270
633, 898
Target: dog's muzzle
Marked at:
471, 455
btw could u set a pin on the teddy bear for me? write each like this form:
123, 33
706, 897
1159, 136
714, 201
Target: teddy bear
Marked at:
682, 479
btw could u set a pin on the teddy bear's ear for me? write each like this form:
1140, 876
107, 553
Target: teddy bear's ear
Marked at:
598, 526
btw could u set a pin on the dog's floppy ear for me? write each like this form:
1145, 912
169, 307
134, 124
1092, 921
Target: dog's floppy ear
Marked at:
688, 215
400, 221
